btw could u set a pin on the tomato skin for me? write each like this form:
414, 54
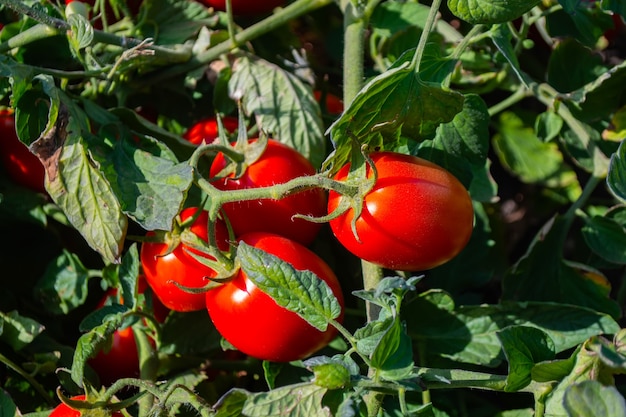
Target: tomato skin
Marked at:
333, 104
63, 410
161, 268
122, 359
417, 216
21, 165
206, 129
245, 7
278, 164
252, 322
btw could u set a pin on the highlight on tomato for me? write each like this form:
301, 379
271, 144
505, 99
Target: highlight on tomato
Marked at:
253, 323
121, 359
246, 7
63, 410
206, 130
278, 164
22, 166
164, 267
416, 217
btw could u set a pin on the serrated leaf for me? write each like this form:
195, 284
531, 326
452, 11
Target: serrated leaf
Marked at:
63, 286
461, 145
81, 34
616, 177
524, 347
18, 331
302, 292
490, 12
522, 153
148, 181
90, 343
282, 105
606, 238
393, 103
591, 399
468, 334
231, 404
393, 356
543, 275
129, 275
299, 400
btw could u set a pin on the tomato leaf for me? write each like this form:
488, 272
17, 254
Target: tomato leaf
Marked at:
172, 22
128, 275
606, 237
7, 406
468, 334
591, 398
302, 400
282, 105
393, 103
63, 287
302, 292
489, 12
231, 404
502, 36
393, 356
18, 331
616, 178
524, 347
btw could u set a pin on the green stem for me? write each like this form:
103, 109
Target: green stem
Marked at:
29, 378
278, 19
520, 94
428, 27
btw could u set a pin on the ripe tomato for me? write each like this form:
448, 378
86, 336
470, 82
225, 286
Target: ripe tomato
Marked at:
63, 410
245, 7
161, 268
20, 164
206, 130
416, 217
333, 104
253, 323
278, 164
122, 359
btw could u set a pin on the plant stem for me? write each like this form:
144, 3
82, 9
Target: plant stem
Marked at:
278, 19
32, 381
428, 27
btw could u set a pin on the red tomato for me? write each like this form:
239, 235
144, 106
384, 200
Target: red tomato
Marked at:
253, 323
21, 165
161, 268
206, 130
122, 359
63, 410
245, 7
333, 104
278, 164
416, 217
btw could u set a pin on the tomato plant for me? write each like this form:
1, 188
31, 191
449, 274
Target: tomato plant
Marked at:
416, 217
277, 165
206, 130
246, 7
164, 267
253, 323
22, 166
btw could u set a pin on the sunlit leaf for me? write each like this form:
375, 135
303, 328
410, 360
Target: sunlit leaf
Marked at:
484, 11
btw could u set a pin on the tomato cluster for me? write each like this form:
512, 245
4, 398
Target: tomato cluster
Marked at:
245, 316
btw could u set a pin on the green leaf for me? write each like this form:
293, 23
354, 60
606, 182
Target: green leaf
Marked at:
489, 12
616, 178
606, 238
522, 153
369, 336
468, 334
129, 270
331, 375
231, 404
543, 275
18, 331
171, 22
302, 292
92, 342
63, 287
590, 399
393, 356
393, 103
461, 145
299, 400
81, 34
147, 179
7, 406
524, 347
572, 66
190, 333
282, 105
502, 36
